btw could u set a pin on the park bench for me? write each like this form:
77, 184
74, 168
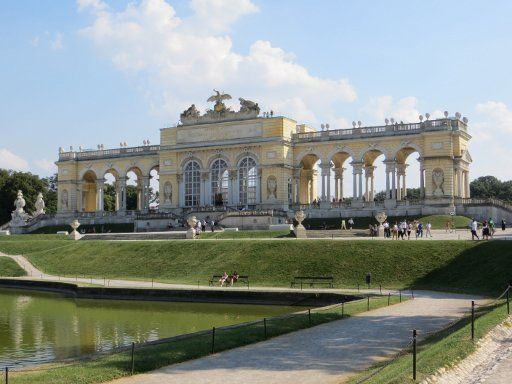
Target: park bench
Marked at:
244, 279
312, 280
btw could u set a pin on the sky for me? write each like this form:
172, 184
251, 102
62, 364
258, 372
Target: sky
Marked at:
89, 72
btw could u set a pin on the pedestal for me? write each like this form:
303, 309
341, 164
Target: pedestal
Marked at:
74, 235
191, 233
300, 232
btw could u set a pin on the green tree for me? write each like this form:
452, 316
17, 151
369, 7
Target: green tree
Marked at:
491, 187
109, 198
131, 197
50, 194
29, 184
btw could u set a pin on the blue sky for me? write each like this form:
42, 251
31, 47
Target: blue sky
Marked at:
92, 71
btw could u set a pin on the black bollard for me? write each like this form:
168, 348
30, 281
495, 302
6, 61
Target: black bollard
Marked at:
473, 320
414, 354
133, 358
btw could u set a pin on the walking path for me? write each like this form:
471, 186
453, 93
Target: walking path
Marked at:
328, 353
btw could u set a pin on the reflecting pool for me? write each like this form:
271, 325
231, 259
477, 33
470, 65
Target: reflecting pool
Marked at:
42, 327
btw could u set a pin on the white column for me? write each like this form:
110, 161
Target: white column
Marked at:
328, 183
354, 184
404, 194
387, 182
323, 184
467, 193
393, 182
459, 182
360, 183
100, 185
371, 189
422, 180
336, 187
181, 191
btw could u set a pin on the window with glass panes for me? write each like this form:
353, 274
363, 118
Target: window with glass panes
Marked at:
247, 180
192, 179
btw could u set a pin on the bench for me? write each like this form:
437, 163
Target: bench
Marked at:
244, 279
312, 280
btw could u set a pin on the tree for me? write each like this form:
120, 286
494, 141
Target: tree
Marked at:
109, 198
31, 185
491, 187
131, 197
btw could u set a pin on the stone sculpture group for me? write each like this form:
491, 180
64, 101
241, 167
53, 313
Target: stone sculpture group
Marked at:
19, 217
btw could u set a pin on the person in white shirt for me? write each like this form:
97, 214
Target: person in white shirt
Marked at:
428, 232
474, 228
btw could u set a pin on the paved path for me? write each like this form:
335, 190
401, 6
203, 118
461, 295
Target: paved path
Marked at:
328, 353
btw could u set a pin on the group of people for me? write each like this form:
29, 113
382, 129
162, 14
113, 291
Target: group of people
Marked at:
202, 225
231, 279
403, 229
488, 228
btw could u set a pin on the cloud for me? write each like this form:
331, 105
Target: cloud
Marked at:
177, 61
382, 107
9, 160
490, 130
57, 44
46, 166
35, 41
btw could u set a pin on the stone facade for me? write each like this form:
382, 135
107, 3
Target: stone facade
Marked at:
270, 163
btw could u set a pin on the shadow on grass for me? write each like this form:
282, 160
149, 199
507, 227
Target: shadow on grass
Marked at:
481, 269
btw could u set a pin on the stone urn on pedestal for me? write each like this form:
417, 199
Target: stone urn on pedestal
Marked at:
191, 232
74, 235
381, 217
300, 231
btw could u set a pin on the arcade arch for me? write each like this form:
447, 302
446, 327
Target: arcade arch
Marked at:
89, 200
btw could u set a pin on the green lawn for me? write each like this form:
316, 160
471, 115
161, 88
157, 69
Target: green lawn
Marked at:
245, 234
476, 267
9, 268
152, 357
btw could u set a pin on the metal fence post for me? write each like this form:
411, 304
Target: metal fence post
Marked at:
472, 320
368, 304
265, 327
380, 288
357, 287
342, 308
389, 297
400, 294
133, 358
412, 293
508, 300
414, 354
309, 317
213, 340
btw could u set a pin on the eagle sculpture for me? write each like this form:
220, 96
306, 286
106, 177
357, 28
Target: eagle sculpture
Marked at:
219, 97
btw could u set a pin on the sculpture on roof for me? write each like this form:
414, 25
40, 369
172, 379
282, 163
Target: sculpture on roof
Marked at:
220, 112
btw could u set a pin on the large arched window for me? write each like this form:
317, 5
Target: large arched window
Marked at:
247, 180
192, 178
219, 182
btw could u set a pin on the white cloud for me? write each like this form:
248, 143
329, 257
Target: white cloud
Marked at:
9, 160
382, 107
35, 42
46, 166
178, 61
57, 43
490, 143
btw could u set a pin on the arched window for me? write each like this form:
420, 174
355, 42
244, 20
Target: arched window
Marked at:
247, 180
219, 182
192, 179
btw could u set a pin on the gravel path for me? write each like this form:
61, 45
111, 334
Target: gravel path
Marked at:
328, 353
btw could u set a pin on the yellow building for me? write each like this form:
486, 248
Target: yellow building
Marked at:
225, 159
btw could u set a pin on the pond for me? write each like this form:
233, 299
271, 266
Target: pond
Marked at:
43, 327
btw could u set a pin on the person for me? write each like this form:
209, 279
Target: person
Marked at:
420, 229
372, 231
485, 230
491, 227
503, 225
474, 228
428, 231
386, 230
350, 223
404, 229
409, 230
343, 225
447, 227
395, 231
223, 279
212, 225
234, 277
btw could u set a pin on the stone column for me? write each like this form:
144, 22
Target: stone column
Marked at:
323, 185
422, 179
100, 186
360, 183
393, 180
467, 193
401, 181
203, 199
145, 196
388, 191
354, 184
311, 188
258, 186
121, 194
460, 183
336, 187
181, 190
368, 173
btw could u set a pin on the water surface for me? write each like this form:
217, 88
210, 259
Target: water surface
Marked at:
43, 327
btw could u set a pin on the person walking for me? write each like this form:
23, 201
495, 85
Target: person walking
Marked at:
409, 230
492, 228
474, 228
428, 231
350, 223
503, 225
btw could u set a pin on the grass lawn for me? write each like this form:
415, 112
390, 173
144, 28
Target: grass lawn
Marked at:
152, 357
245, 234
443, 349
460, 266
9, 268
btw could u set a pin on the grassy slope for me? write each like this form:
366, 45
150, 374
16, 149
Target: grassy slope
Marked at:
9, 268
245, 234
445, 265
